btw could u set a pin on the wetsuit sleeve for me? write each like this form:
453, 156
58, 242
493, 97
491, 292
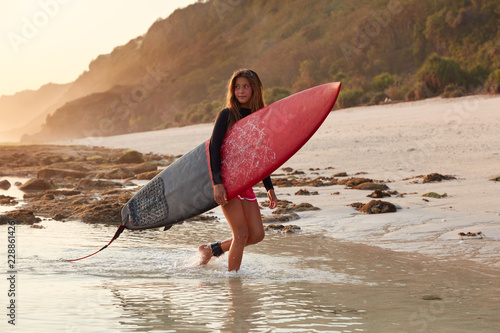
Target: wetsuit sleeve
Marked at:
218, 134
268, 184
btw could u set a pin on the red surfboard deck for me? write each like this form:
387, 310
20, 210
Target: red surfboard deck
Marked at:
254, 147
259, 144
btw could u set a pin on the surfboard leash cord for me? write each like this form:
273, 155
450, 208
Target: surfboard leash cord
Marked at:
117, 234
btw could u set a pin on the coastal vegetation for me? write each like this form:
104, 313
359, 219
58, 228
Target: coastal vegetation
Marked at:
176, 73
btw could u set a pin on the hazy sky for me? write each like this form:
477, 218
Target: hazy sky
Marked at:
44, 41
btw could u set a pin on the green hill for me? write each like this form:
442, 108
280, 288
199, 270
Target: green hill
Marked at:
177, 72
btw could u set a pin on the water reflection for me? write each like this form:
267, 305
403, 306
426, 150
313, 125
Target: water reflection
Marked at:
231, 304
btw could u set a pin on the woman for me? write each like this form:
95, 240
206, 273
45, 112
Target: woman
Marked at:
244, 96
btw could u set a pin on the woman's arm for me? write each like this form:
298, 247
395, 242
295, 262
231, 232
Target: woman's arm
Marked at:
268, 184
218, 134
216, 141
273, 200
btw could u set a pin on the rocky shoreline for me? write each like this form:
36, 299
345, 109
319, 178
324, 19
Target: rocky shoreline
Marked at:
91, 184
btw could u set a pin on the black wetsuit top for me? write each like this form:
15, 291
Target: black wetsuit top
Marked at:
216, 140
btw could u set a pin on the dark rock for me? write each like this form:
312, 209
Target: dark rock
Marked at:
36, 184
378, 194
203, 218
431, 298
4, 184
59, 217
368, 186
435, 177
294, 208
355, 181
148, 175
119, 173
7, 200
144, 167
63, 192
96, 159
306, 192
280, 218
48, 160
282, 228
97, 184
132, 157
298, 182
104, 211
357, 205
47, 197
375, 207
49, 173
20, 216
434, 195
340, 174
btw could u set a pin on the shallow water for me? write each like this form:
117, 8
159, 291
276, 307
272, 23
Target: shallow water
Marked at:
148, 281
12, 191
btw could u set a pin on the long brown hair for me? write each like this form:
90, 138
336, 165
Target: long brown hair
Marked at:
256, 101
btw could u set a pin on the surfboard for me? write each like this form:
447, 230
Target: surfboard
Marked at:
255, 146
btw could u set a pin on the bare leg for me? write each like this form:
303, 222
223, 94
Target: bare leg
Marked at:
246, 225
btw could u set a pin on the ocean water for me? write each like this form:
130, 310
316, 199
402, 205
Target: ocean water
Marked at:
149, 281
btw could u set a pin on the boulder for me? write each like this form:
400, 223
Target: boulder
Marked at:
36, 184
131, 156
375, 207
144, 167
48, 160
20, 216
49, 173
47, 197
379, 194
7, 200
4, 184
148, 175
119, 173
306, 192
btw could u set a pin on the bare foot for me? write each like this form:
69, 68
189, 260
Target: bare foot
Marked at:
205, 254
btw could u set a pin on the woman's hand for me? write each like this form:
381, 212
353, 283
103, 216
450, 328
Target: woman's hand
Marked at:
220, 194
273, 200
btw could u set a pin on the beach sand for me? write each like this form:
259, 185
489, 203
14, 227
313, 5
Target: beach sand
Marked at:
392, 143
